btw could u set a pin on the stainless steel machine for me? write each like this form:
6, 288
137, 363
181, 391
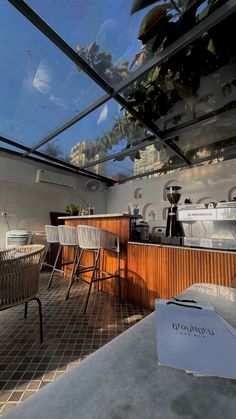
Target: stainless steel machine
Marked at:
174, 230
211, 225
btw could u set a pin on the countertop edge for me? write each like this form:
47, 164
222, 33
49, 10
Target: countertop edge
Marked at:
79, 217
204, 249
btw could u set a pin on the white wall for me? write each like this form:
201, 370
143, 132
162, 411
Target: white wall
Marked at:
31, 203
213, 182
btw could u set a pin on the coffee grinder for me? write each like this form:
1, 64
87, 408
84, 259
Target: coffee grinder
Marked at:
174, 229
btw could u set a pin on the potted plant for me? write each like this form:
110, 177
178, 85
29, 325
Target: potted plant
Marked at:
72, 209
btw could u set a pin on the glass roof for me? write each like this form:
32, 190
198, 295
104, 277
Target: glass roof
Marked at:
121, 89
116, 37
101, 134
148, 159
40, 87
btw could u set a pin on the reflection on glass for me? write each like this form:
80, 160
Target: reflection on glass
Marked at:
209, 138
41, 88
198, 80
151, 158
106, 131
117, 37
220, 148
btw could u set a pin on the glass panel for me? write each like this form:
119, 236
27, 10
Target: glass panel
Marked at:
40, 87
153, 157
106, 131
46, 160
11, 147
116, 38
197, 81
209, 138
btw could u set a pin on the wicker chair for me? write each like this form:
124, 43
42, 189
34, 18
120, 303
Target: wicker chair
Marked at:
19, 277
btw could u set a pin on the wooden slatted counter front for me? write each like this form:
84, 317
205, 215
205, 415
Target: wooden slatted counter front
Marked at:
116, 223
156, 271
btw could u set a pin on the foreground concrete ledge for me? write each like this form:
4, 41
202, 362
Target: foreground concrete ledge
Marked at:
122, 380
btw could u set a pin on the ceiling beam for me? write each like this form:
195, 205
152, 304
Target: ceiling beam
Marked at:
75, 168
14, 144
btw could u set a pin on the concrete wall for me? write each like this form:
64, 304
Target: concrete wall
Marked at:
30, 203
213, 182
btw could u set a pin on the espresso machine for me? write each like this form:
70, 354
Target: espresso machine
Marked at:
174, 230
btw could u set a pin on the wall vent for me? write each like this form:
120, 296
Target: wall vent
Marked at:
46, 177
93, 186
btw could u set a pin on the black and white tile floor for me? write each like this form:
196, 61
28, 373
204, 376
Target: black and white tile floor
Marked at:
69, 336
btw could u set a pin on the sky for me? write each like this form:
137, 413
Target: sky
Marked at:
41, 88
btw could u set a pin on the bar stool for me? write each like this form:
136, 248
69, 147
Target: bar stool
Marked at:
68, 236
52, 237
96, 239
63, 236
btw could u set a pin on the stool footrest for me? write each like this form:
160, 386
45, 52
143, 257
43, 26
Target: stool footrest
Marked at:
105, 277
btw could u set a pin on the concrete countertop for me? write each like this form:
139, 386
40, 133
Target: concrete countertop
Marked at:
77, 217
202, 249
123, 380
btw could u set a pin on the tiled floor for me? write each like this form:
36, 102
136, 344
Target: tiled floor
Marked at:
69, 336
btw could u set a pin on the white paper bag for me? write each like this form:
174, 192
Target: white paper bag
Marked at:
195, 339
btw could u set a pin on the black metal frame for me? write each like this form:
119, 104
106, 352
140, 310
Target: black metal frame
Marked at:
114, 92
96, 272
54, 162
40, 315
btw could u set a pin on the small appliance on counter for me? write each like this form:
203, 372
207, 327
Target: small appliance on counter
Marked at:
174, 230
142, 229
18, 238
157, 234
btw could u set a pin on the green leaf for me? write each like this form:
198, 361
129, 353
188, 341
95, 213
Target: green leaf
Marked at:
150, 22
211, 47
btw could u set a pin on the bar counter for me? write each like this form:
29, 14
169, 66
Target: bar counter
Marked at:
151, 270
163, 271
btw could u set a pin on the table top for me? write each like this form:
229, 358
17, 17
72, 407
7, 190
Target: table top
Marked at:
122, 380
